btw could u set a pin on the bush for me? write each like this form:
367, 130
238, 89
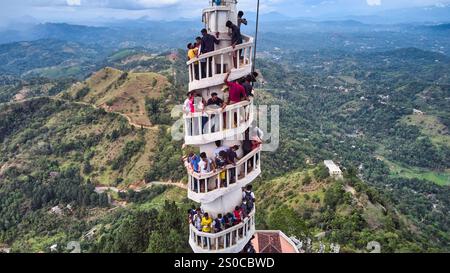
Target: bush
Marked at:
131, 149
307, 180
82, 93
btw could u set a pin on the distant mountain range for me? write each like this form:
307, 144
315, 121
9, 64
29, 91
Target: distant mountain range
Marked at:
174, 34
126, 34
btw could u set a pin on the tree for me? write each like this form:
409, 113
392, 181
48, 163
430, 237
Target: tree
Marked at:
307, 179
87, 167
288, 221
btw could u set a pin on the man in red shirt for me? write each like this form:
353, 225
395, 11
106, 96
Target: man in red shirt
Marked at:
236, 91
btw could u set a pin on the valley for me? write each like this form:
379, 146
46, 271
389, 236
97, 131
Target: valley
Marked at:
86, 128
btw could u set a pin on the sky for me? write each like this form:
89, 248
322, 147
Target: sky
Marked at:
91, 11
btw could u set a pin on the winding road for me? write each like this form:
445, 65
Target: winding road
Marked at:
102, 189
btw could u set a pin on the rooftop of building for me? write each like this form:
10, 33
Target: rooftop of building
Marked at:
332, 166
273, 241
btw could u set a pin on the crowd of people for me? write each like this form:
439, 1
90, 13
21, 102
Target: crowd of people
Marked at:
207, 43
223, 156
234, 92
203, 222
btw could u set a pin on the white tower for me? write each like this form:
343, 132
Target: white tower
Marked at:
220, 192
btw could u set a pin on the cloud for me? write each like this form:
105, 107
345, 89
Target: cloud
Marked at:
136, 4
83, 11
74, 2
374, 2
115, 4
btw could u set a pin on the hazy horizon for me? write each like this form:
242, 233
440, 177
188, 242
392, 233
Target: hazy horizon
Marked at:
90, 12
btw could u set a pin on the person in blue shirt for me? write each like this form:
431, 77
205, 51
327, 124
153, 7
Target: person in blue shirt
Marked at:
193, 161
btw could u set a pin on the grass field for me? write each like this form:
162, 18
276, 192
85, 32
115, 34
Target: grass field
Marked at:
430, 126
289, 190
173, 194
121, 54
349, 79
440, 178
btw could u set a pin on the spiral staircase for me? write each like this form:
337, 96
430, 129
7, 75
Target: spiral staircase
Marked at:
216, 195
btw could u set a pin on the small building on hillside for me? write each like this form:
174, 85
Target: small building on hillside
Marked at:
418, 112
56, 210
333, 169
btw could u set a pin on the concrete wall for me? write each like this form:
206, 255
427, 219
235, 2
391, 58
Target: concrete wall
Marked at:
224, 204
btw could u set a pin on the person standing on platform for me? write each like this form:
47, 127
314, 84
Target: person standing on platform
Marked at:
208, 45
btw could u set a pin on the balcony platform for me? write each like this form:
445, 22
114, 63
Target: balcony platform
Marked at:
198, 186
231, 240
217, 79
218, 62
194, 135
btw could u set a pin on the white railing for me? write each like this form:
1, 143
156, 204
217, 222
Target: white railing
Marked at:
210, 68
235, 237
216, 124
244, 172
223, 2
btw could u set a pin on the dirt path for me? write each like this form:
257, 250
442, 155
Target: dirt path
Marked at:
179, 184
102, 189
130, 122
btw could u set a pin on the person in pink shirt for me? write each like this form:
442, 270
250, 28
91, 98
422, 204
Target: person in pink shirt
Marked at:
236, 91
188, 109
188, 106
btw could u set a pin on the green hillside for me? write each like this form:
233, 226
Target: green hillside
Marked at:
121, 92
358, 109
347, 212
53, 155
103, 146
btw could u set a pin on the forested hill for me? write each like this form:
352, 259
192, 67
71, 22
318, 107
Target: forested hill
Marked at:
74, 152
348, 212
384, 114
54, 155
104, 147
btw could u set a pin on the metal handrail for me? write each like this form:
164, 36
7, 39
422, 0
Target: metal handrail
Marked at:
228, 167
219, 110
251, 215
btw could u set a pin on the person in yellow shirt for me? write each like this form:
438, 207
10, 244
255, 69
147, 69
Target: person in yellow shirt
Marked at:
192, 54
206, 227
206, 223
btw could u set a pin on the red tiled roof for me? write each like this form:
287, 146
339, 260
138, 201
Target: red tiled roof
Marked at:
269, 243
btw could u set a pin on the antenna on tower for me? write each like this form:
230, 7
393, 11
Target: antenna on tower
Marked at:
256, 36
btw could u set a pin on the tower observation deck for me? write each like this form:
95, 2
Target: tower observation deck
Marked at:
225, 125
